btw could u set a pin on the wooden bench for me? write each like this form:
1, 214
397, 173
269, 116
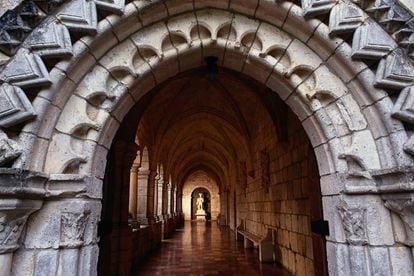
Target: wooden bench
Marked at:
250, 240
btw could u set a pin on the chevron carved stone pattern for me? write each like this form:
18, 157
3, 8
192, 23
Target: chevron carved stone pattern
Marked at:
14, 106
9, 149
80, 16
315, 7
371, 42
49, 5
115, 6
406, 37
16, 24
404, 106
345, 18
395, 71
389, 14
26, 69
51, 40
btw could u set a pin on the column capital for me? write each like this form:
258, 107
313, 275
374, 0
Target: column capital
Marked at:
13, 217
21, 194
403, 206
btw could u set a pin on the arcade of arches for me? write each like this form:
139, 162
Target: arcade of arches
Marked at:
293, 119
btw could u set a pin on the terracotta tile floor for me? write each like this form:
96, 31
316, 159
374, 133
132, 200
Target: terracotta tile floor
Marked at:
205, 249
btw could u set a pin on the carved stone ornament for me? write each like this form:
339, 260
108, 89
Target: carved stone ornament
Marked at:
14, 106
9, 149
73, 228
403, 206
13, 217
353, 221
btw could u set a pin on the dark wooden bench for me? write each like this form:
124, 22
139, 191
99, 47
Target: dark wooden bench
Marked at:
250, 240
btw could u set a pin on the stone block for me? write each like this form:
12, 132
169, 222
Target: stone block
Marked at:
296, 24
342, 64
275, 14
380, 261
338, 259
46, 262
401, 261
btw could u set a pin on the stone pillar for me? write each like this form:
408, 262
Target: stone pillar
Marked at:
160, 196
174, 200
165, 200
224, 196
151, 215
142, 196
133, 190
126, 198
179, 202
169, 194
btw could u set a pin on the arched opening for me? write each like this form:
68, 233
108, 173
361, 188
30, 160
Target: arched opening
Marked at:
200, 179
201, 204
230, 141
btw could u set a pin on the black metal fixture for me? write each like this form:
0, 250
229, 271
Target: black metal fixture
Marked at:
212, 70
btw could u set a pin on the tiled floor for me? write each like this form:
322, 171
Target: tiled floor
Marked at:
205, 249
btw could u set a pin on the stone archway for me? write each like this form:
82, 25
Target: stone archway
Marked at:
199, 179
358, 131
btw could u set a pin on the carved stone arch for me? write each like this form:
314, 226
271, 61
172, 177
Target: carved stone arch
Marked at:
358, 132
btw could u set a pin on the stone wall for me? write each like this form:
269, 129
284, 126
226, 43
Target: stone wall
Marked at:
283, 204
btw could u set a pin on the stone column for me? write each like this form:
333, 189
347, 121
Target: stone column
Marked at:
169, 194
160, 197
142, 196
128, 196
133, 190
151, 215
179, 202
174, 200
165, 193
224, 205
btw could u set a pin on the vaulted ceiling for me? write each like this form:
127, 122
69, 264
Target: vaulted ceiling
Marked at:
194, 122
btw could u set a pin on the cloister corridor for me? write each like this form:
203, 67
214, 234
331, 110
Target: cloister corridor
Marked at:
218, 136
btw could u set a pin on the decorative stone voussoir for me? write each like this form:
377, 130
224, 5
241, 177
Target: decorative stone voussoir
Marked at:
14, 106
315, 7
403, 206
25, 70
345, 18
115, 6
79, 15
9, 149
